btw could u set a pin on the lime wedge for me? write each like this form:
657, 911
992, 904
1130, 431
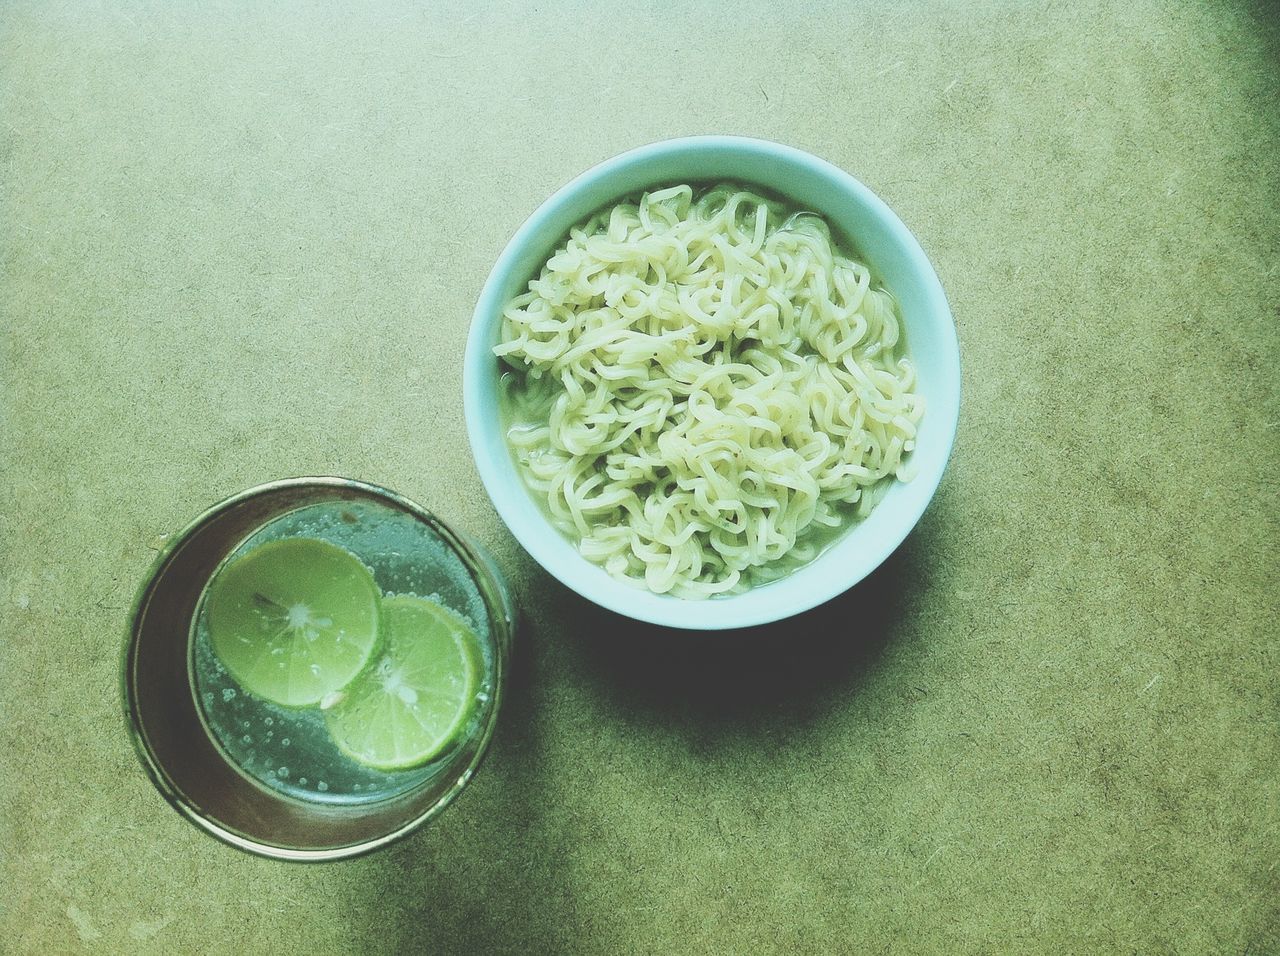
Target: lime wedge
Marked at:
294, 620
414, 703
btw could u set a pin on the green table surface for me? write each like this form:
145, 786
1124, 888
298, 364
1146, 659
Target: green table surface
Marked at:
243, 240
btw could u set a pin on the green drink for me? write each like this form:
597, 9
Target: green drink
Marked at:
315, 667
327, 667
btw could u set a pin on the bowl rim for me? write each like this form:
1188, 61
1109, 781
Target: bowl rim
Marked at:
719, 613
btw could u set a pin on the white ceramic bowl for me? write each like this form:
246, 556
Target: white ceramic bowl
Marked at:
880, 239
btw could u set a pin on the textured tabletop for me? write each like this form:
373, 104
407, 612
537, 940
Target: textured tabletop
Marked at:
242, 241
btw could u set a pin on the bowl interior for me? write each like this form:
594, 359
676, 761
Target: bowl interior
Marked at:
877, 236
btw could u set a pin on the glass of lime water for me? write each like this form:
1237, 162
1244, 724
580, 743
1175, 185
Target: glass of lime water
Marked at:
315, 667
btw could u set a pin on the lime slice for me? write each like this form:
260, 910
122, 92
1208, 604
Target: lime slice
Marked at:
294, 620
414, 703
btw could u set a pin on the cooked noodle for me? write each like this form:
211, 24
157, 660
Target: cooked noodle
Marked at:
703, 388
